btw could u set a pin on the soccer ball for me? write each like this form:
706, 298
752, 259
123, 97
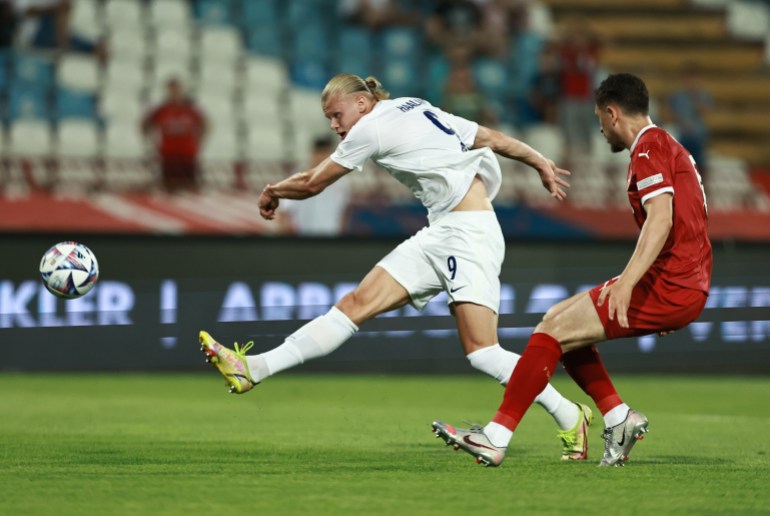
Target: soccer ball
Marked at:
69, 270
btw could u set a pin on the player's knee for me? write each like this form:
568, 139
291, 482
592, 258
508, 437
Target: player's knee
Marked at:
357, 305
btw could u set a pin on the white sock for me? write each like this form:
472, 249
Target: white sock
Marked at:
616, 416
499, 364
317, 338
497, 434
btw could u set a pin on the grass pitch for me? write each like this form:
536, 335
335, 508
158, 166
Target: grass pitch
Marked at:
178, 444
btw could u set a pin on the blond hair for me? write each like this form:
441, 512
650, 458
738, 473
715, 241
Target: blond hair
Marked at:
347, 83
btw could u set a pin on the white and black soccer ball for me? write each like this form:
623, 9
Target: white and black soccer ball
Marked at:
69, 270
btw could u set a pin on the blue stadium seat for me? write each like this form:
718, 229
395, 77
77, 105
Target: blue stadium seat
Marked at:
32, 71
355, 41
310, 42
401, 76
257, 13
302, 12
353, 63
74, 104
266, 40
215, 12
400, 42
525, 55
5, 71
24, 102
491, 77
309, 74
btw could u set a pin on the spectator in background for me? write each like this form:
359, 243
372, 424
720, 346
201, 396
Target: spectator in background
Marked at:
462, 98
7, 24
176, 128
476, 24
374, 14
319, 217
45, 25
688, 107
546, 92
579, 64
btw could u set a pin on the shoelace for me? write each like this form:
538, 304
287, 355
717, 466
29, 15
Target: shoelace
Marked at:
241, 350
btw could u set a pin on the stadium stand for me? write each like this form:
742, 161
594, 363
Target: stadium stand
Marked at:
256, 68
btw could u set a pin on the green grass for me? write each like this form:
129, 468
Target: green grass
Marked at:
178, 444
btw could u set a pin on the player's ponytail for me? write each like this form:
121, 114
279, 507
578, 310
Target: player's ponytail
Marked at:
347, 83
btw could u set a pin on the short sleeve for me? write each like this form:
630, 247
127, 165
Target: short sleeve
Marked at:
360, 144
652, 168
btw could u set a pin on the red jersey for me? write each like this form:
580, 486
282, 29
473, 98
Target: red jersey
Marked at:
180, 126
659, 164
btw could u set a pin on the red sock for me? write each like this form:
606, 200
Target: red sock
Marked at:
529, 378
585, 366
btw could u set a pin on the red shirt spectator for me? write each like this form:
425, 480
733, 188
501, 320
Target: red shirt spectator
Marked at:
177, 128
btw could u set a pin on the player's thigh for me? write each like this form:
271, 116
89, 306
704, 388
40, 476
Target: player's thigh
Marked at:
378, 292
476, 326
573, 322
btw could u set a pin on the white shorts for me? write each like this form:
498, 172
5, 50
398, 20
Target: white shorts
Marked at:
461, 254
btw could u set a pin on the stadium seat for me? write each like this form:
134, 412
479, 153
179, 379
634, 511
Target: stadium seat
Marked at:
78, 72
222, 145
5, 70
221, 44
400, 42
173, 45
310, 43
491, 77
220, 78
125, 77
123, 141
117, 107
256, 13
266, 40
127, 46
27, 103
311, 74
265, 75
77, 139
124, 14
169, 14
30, 138
214, 12
547, 139
748, 20
165, 70
261, 110
265, 144
354, 53
401, 76
32, 71
219, 110
74, 104
86, 18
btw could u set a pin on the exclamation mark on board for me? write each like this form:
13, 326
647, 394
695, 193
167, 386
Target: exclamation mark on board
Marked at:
168, 297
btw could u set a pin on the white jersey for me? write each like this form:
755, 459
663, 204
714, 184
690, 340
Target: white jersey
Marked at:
423, 147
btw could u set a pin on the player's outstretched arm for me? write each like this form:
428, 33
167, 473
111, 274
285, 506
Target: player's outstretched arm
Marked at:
512, 148
300, 186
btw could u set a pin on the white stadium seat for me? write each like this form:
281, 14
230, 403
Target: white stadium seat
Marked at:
78, 73
124, 13
220, 44
217, 78
306, 111
265, 76
221, 145
266, 144
77, 138
115, 106
173, 45
125, 78
173, 14
127, 45
30, 138
86, 18
123, 141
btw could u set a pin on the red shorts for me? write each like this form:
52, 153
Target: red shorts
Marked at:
656, 305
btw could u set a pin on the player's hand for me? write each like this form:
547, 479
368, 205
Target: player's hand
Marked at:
268, 203
618, 295
550, 175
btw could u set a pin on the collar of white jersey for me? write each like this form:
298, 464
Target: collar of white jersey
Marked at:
636, 140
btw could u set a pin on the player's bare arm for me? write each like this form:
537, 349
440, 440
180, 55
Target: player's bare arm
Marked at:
651, 240
512, 148
300, 186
